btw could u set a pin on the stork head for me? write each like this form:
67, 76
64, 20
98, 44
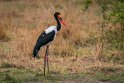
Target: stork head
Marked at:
58, 16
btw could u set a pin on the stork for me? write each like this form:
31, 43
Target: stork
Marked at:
46, 38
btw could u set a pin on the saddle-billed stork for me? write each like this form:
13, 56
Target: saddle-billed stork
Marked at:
46, 38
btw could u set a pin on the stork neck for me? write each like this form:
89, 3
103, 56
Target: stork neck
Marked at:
58, 24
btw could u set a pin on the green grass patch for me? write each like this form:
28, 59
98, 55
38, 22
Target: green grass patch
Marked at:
111, 74
16, 75
106, 77
21, 75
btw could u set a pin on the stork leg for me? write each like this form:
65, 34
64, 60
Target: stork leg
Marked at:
44, 64
46, 61
47, 58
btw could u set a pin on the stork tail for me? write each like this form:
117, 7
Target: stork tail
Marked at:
35, 51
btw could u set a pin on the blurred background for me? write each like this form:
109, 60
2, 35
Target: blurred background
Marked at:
91, 45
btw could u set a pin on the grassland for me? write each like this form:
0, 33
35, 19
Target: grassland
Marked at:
75, 56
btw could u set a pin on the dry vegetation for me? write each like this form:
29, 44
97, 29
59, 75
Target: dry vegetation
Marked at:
76, 48
2, 33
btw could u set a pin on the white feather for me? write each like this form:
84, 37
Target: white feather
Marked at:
50, 29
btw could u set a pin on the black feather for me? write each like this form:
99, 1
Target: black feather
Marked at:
43, 39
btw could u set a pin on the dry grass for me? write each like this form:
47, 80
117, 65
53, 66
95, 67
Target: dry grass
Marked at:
2, 33
69, 52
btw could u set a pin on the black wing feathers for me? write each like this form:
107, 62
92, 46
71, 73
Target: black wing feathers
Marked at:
43, 40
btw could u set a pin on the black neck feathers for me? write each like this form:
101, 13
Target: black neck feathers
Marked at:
57, 20
58, 25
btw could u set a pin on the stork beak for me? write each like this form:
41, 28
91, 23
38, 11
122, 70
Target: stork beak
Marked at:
62, 21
